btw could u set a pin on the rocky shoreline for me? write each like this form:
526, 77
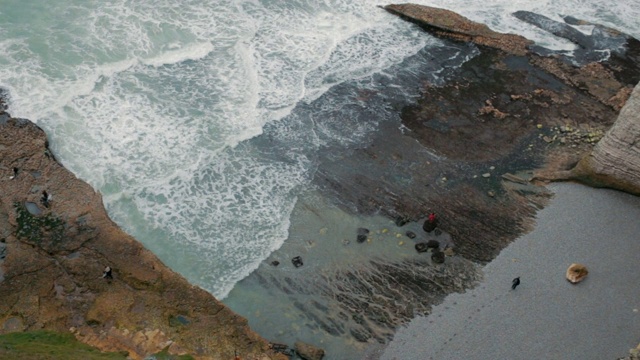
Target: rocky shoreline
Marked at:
472, 150
466, 150
56, 240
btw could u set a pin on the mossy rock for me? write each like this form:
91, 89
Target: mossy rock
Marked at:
46, 231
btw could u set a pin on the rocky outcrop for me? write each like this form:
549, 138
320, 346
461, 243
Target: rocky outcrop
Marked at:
55, 247
308, 352
455, 26
615, 160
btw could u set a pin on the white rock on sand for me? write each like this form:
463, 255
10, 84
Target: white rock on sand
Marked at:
546, 317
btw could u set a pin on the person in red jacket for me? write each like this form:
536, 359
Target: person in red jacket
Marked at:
432, 217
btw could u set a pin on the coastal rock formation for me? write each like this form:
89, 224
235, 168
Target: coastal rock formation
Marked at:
576, 273
455, 26
465, 149
615, 160
308, 352
53, 259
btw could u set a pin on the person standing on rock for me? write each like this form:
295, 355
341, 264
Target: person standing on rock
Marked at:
431, 223
106, 274
45, 199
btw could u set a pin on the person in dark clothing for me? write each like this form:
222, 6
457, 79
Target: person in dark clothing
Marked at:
45, 198
15, 173
106, 274
515, 283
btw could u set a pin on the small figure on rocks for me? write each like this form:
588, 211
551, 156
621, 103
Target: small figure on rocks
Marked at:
431, 223
45, 199
106, 274
297, 261
15, 173
515, 282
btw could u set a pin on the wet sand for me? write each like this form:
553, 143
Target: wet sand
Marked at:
546, 317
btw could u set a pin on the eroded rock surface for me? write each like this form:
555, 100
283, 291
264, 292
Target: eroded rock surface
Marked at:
52, 262
615, 160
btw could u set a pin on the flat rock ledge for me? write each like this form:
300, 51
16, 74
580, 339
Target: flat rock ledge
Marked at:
53, 253
448, 24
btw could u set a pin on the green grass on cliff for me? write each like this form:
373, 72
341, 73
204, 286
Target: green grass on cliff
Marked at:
47, 345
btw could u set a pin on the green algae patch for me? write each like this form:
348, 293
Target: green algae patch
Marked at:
45, 231
41, 345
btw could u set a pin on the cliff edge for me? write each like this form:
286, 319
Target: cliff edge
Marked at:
56, 241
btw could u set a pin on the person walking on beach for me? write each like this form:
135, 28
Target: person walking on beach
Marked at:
515, 283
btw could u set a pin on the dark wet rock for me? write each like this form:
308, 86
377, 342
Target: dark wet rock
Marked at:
429, 226
297, 261
401, 221
308, 352
433, 244
452, 25
562, 30
362, 235
438, 257
275, 263
421, 247
410, 234
281, 348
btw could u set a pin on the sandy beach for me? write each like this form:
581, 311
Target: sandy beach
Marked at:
546, 317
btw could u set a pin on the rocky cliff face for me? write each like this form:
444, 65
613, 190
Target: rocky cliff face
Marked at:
56, 240
615, 160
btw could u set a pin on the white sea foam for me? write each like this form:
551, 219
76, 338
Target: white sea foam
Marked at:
178, 54
153, 104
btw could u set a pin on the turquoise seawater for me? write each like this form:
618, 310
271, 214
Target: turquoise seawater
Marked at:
157, 104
